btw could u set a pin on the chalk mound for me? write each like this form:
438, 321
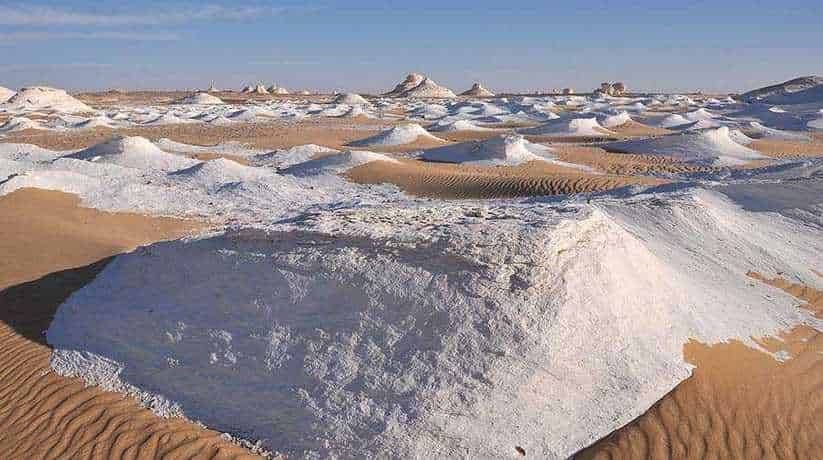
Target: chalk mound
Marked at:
279, 90
477, 90
335, 163
350, 99
168, 118
412, 80
758, 131
503, 150
218, 172
133, 152
714, 147
795, 91
201, 99
14, 124
613, 120
458, 125
571, 127
335, 346
5, 94
288, 157
94, 122
45, 98
398, 135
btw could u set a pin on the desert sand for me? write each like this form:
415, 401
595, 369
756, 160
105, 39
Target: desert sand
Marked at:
47, 256
739, 402
456, 181
306, 181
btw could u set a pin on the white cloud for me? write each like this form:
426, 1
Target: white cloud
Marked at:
42, 16
130, 36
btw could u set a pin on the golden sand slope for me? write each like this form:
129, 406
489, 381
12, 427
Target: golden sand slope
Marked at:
787, 149
636, 129
738, 403
44, 235
459, 181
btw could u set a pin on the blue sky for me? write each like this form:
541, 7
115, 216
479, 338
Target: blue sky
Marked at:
369, 45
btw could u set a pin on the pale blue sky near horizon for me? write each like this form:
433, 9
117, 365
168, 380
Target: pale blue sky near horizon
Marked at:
369, 45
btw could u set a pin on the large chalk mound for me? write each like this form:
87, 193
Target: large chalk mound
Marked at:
45, 98
503, 150
399, 135
133, 152
442, 343
713, 146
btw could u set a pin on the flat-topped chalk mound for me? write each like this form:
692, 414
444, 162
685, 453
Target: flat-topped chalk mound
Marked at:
398, 135
133, 152
201, 99
713, 146
477, 90
569, 127
503, 150
45, 98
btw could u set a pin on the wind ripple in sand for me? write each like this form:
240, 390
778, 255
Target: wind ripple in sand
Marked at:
739, 402
42, 414
454, 181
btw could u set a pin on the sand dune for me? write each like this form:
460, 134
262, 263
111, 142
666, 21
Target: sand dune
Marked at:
739, 402
43, 414
457, 181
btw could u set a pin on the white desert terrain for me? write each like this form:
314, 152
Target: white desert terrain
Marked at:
415, 274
